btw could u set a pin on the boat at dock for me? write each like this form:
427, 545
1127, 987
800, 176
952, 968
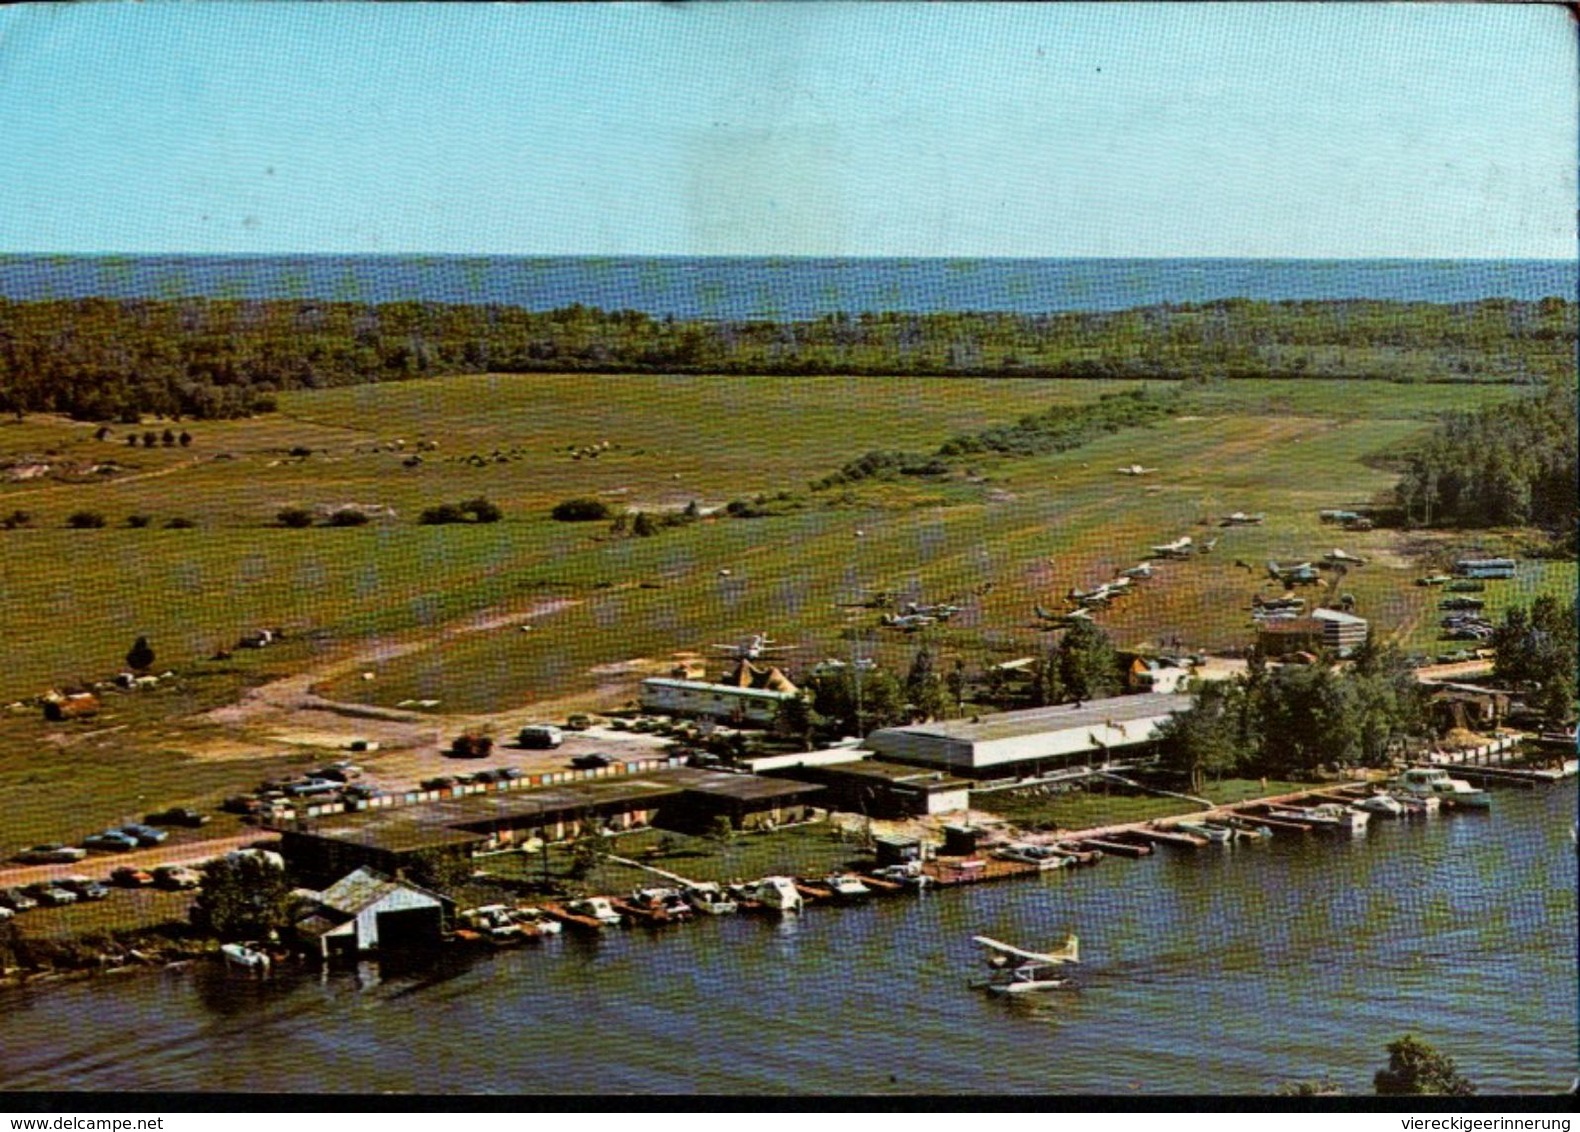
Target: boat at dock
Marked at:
710, 900
1329, 815
774, 894
1045, 857
1215, 833
1435, 782
1385, 805
846, 886
245, 957
1016, 971
597, 909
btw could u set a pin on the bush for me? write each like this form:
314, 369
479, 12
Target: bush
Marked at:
85, 520
295, 517
180, 523
138, 522
444, 513
482, 511
580, 511
348, 517
16, 519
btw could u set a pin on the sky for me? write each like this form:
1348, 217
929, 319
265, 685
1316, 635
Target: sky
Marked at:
842, 129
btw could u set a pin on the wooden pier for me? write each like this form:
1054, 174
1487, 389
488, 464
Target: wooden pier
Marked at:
572, 919
1171, 837
1122, 848
948, 872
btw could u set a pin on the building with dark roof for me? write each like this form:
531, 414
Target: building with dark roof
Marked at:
393, 839
367, 911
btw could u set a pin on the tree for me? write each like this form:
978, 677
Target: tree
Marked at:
1088, 667
140, 657
85, 520
243, 896
482, 510
1538, 648
441, 514
721, 829
1416, 1069
348, 517
294, 517
857, 701
150, 439
580, 511
923, 687
1206, 736
186, 439
169, 438
642, 526
795, 719
138, 522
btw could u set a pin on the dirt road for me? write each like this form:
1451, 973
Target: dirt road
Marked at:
99, 865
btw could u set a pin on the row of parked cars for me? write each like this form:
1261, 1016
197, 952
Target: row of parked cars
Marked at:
121, 839
496, 774
69, 890
332, 783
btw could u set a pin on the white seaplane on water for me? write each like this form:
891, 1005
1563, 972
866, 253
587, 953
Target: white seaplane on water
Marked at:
1016, 971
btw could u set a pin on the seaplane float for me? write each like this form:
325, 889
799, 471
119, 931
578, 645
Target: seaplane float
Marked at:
1016, 971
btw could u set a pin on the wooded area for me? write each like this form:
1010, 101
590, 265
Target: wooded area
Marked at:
101, 359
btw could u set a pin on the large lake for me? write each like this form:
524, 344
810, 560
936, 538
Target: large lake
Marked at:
1220, 970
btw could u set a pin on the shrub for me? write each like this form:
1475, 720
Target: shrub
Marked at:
580, 511
85, 520
180, 523
295, 517
348, 517
482, 511
18, 518
138, 522
443, 513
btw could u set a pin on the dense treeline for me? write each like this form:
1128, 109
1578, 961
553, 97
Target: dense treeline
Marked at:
1294, 719
1509, 464
103, 359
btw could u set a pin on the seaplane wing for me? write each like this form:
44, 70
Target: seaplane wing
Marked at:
1070, 952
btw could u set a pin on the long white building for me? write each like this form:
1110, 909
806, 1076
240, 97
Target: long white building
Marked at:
1021, 740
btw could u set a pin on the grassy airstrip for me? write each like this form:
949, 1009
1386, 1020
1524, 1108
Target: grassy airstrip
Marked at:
1030, 527
997, 537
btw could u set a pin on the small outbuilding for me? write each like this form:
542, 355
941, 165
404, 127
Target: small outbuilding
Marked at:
367, 911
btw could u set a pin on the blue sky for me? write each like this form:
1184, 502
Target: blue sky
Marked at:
1322, 130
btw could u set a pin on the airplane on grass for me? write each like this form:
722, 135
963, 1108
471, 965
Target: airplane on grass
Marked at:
1135, 470
907, 622
754, 647
1340, 558
1017, 971
1241, 519
1063, 619
1179, 548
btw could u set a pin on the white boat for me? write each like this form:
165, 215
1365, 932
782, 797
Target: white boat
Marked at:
245, 957
494, 923
710, 900
1346, 817
909, 874
1434, 782
847, 887
1214, 833
1016, 971
535, 922
1043, 856
598, 907
1385, 804
776, 893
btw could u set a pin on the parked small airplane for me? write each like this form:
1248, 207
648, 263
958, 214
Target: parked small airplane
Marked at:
907, 622
1303, 573
1017, 971
1063, 618
1143, 570
1179, 548
1241, 519
754, 647
943, 611
1338, 556
1135, 470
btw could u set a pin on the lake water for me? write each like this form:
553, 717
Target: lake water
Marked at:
1220, 970
796, 288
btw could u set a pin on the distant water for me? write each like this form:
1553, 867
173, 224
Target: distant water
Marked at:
740, 288
1229, 969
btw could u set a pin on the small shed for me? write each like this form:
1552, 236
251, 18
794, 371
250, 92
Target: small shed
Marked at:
368, 911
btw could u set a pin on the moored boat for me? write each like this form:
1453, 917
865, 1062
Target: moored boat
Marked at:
1435, 782
846, 886
1385, 804
245, 957
1043, 856
1214, 833
776, 894
710, 900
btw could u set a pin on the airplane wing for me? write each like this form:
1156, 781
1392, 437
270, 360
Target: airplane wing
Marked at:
1068, 953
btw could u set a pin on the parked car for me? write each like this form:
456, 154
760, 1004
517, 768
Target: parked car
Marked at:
180, 815
592, 762
507, 774
443, 782
51, 855
242, 804
313, 788
176, 877
337, 772
111, 840
85, 888
145, 835
17, 900
50, 894
5, 914
128, 877
362, 790
578, 722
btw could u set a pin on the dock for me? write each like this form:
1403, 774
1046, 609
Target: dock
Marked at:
1122, 848
1527, 777
813, 891
881, 884
947, 872
1171, 837
573, 919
